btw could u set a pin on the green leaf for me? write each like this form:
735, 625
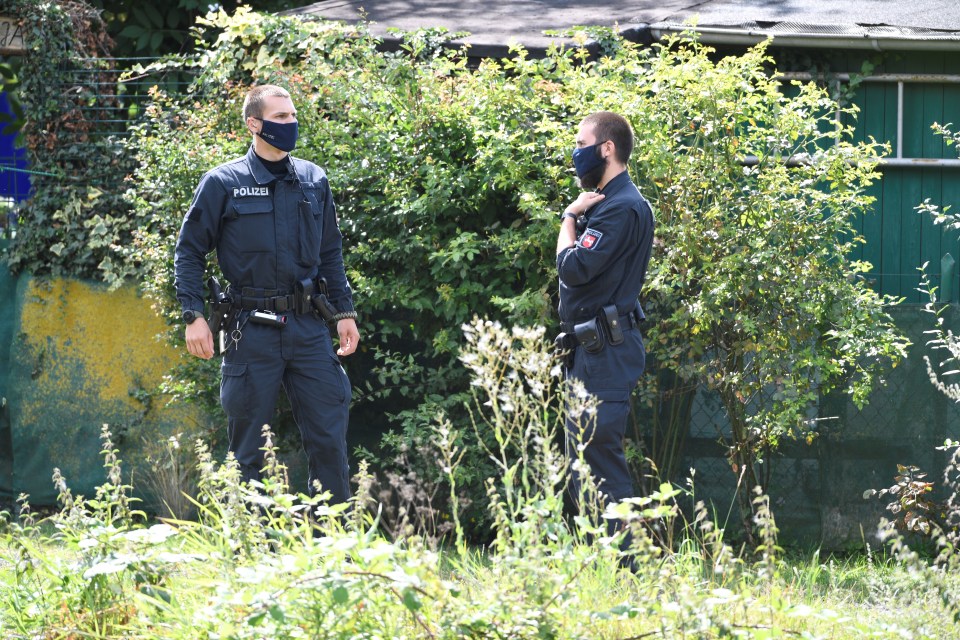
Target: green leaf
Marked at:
175, 18
153, 15
411, 600
143, 40
340, 594
131, 31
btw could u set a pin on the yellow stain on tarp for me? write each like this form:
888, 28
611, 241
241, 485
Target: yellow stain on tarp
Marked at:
84, 352
104, 340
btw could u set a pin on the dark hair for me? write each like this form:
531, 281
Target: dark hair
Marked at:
253, 103
608, 125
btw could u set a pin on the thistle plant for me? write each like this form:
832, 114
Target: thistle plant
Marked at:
518, 414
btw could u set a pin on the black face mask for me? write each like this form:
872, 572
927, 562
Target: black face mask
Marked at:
590, 165
282, 135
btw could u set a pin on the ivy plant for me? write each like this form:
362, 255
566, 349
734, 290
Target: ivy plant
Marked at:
77, 214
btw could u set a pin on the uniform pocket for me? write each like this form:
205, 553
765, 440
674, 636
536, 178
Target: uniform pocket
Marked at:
315, 193
342, 391
617, 367
233, 389
309, 222
250, 229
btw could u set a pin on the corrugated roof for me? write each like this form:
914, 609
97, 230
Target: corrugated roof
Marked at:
873, 24
494, 25
942, 15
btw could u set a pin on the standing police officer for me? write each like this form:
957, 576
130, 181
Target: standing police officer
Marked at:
603, 250
272, 221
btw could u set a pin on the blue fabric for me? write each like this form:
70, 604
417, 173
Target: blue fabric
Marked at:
299, 357
586, 159
610, 376
282, 135
262, 239
609, 262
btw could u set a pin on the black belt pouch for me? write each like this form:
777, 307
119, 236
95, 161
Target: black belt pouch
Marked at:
611, 322
589, 336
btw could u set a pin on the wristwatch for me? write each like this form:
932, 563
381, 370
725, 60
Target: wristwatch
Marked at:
568, 214
189, 315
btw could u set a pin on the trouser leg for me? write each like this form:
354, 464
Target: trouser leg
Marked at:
604, 452
251, 374
319, 394
601, 437
609, 376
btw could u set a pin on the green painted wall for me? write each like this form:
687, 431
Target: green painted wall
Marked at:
8, 285
899, 239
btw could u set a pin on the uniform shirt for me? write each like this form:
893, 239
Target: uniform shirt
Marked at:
264, 238
609, 261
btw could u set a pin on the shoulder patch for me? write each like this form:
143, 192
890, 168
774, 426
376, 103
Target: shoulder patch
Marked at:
590, 239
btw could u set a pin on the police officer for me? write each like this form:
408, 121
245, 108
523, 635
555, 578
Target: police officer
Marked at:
603, 250
272, 221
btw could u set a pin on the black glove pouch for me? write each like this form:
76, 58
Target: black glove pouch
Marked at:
303, 294
590, 336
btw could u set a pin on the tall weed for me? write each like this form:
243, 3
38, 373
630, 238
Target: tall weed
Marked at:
257, 561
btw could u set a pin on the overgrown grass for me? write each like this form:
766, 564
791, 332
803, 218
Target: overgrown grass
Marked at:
260, 562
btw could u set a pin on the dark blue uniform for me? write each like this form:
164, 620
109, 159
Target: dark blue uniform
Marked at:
607, 266
266, 241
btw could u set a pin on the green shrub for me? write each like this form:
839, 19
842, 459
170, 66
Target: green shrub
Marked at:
448, 180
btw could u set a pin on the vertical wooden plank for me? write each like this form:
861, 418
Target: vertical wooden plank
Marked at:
910, 185
950, 187
858, 121
931, 179
890, 243
890, 267
911, 234
872, 117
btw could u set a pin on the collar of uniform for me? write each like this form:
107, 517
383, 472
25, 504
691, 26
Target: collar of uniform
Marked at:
257, 170
616, 183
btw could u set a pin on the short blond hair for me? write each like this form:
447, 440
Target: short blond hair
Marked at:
253, 103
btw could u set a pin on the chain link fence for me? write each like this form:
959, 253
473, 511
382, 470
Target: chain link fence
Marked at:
106, 97
110, 94
817, 488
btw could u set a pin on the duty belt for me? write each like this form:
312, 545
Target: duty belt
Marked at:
251, 299
628, 320
279, 300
